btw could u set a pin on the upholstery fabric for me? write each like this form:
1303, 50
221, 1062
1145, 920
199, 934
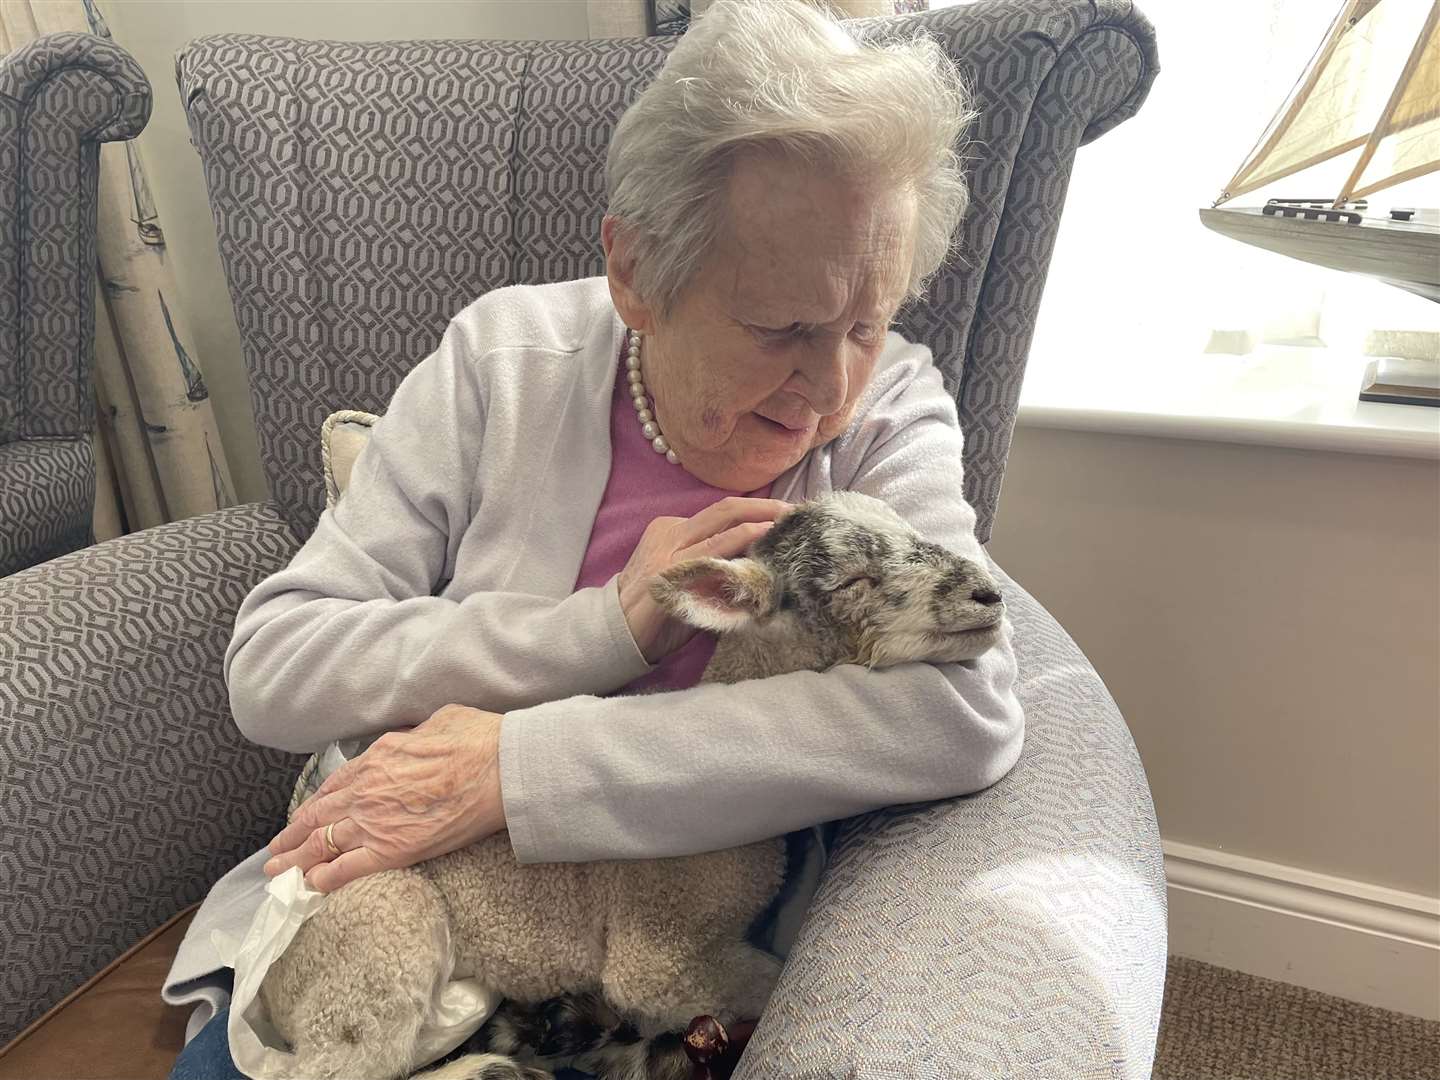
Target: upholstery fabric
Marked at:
47, 492
363, 213
128, 789
60, 97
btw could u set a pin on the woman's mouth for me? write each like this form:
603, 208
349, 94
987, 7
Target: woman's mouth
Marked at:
783, 429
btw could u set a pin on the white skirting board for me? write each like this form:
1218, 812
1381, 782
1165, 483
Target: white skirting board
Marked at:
1347, 938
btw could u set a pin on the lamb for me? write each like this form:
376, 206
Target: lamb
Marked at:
605, 962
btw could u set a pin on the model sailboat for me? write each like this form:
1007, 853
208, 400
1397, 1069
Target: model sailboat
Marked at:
1372, 86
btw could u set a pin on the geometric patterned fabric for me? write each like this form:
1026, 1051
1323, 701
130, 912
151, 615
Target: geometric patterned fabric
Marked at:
60, 97
47, 492
363, 193
127, 788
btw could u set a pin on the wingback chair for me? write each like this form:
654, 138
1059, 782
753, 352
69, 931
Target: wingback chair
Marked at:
362, 194
61, 96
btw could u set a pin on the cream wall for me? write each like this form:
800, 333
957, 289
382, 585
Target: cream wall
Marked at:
1268, 620
153, 30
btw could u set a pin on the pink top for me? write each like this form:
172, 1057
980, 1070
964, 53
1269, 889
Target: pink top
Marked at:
642, 487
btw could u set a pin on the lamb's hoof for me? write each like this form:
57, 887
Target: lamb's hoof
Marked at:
713, 1051
705, 1040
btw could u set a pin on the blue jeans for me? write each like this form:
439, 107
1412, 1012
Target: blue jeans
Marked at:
207, 1056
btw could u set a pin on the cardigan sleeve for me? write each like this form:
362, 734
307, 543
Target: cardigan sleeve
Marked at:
721, 765
349, 640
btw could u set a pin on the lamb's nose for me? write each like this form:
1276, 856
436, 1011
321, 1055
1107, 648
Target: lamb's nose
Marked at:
986, 596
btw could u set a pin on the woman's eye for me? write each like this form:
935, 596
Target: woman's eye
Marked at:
778, 334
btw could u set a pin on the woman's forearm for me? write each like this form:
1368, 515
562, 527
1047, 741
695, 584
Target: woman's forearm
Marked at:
722, 765
304, 668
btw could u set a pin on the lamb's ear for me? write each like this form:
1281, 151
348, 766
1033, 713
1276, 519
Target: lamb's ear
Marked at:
716, 594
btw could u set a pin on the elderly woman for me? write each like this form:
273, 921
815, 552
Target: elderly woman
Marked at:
481, 592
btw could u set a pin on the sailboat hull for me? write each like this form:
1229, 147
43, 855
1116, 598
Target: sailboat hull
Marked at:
1401, 253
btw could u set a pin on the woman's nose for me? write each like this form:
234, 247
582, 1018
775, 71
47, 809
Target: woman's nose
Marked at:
826, 376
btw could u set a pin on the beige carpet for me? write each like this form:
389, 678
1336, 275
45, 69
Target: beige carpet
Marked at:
1224, 1025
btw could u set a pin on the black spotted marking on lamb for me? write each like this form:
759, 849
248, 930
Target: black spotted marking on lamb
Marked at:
511, 1028
895, 597
954, 580
924, 553
868, 545
797, 550
571, 1024
665, 1056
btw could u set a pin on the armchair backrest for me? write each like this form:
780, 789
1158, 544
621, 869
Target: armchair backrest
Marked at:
61, 96
366, 192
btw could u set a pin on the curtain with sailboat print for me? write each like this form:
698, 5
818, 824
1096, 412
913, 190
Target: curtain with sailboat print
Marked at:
158, 455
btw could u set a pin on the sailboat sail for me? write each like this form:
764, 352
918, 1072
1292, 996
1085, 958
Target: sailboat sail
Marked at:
1350, 98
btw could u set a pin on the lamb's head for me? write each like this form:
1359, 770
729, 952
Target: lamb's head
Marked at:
846, 577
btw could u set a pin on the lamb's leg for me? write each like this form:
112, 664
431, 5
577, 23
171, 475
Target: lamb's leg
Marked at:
500, 1050
351, 991
675, 942
484, 1067
580, 1030
660, 1057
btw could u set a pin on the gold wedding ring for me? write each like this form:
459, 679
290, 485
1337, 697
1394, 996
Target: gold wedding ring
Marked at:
330, 840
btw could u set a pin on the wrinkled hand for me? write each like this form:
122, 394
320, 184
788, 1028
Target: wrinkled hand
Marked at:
720, 531
413, 794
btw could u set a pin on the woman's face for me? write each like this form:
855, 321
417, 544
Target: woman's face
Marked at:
774, 339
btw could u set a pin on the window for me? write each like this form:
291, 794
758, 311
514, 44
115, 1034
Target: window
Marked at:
1131, 237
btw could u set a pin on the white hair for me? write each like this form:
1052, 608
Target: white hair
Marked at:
781, 75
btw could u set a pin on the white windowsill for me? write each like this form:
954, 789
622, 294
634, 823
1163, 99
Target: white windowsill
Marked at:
1279, 395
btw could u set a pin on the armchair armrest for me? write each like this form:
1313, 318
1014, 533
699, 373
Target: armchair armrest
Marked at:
127, 789
1019, 931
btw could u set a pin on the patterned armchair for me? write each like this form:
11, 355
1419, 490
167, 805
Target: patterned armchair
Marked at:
60, 97
362, 194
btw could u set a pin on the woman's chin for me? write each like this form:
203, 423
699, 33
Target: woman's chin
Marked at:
757, 463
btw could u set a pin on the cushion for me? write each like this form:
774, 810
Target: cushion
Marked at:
342, 436
115, 1027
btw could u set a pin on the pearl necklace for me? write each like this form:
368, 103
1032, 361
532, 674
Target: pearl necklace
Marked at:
641, 400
